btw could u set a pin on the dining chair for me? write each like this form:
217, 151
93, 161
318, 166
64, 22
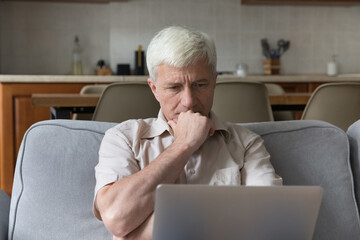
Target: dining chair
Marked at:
336, 103
242, 101
276, 89
126, 100
89, 89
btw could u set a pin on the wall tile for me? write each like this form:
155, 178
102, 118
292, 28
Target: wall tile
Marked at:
45, 32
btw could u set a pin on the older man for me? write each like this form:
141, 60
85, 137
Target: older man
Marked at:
187, 143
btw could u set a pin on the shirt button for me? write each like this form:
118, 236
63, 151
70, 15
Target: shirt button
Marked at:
192, 171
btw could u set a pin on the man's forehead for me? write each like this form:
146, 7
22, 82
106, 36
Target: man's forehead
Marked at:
195, 72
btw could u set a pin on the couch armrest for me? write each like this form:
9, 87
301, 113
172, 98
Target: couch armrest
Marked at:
4, 216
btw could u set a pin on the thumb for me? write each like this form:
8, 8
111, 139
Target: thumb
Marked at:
172, 124
212, 129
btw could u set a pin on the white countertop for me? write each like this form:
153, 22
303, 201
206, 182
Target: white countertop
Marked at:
114, 78
67, 78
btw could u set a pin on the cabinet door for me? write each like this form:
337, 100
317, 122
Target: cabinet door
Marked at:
17, 115
25, 115
290, 87
75, 1
294, 87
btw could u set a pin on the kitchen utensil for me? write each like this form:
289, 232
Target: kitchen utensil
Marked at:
265, 48
281, 43
274, 53
283, 46
286, 46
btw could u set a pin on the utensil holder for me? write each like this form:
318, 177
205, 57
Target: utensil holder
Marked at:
271, 66
103, 71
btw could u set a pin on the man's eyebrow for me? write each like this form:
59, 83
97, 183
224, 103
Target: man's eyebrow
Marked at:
170, 84
202, 80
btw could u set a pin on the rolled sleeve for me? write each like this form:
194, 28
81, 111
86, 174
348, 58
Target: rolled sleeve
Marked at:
257, 169
116, 160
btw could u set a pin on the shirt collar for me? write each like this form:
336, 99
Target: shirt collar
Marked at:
220, 126
160, 126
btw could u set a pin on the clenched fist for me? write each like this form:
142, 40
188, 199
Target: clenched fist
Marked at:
192, 129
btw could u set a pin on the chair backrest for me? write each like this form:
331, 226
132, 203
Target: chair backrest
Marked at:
126, 100
93, 89
336, 103
89, 89
276, 89
241, 101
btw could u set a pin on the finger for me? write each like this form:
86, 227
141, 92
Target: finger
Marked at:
212, 128
172, 124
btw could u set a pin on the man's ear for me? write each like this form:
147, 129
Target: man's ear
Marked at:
215, 78
153, 88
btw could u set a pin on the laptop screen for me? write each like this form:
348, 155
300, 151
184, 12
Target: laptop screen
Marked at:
186, 212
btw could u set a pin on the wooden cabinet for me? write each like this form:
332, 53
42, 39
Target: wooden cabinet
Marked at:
17, 114
74, 1
301, 2
294, 87
299, 87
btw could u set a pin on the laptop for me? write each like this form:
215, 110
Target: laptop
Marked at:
203, 212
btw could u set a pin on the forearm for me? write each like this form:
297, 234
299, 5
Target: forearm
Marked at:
126, 204
143, 232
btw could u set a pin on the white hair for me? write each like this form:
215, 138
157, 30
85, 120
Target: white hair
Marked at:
180, 47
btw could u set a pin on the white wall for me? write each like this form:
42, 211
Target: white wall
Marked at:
37, 37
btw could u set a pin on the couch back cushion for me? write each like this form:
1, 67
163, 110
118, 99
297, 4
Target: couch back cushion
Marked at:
54, 182
54, 177
316, 153
354, 139
4, 216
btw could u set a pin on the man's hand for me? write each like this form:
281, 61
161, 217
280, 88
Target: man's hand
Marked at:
192, 129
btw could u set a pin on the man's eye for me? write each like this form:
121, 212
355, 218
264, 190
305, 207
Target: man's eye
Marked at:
200, 85
173, 87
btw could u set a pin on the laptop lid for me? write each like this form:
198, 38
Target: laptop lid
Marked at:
196, 212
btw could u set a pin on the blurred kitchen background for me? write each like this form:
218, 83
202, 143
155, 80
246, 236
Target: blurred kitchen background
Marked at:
37, 37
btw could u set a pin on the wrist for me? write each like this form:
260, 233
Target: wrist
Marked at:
183, 147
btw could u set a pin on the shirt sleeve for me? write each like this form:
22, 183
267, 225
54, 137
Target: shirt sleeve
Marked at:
116, 159
257, 169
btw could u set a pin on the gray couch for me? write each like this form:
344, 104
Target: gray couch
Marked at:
54, 178
354, 139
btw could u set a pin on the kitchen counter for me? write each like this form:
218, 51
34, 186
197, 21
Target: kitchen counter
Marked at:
306, 78
67, 78
17, 113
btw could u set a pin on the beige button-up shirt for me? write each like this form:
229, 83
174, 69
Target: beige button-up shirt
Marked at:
232, 156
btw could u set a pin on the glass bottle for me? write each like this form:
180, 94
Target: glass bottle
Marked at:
76, 65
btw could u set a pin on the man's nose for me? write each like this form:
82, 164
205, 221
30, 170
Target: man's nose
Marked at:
187, 98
